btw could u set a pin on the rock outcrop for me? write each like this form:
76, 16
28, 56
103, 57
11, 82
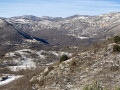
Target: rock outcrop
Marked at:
97, 63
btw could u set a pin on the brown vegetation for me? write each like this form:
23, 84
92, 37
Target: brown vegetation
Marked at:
23, 82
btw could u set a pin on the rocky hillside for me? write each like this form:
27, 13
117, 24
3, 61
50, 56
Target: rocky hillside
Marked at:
98, 63
18, 67
9, 38
73, 30
29, 59
12, 39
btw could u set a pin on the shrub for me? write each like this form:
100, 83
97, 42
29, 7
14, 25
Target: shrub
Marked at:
73, 63
94, 86
116, 48
86, 88
105, 88
117, 88
63, 58
114, 68
116, 39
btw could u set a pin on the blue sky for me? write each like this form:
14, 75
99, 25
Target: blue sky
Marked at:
57, 8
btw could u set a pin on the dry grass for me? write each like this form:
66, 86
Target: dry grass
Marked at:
23, 82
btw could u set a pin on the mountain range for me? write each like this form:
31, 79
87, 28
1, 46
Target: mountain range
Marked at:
29, 44
73, 30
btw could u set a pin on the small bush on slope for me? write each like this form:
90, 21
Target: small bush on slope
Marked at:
94, 86
97, 86
116, 39
63, 58
116, 48
117, 88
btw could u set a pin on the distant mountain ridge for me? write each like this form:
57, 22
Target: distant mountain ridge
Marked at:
72, 29
35, 18
75, 30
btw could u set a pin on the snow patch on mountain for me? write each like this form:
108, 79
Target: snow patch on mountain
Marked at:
22, 21
25, 64
9, 79
78, 36
29, 59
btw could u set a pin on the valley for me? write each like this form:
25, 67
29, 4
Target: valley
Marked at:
31, 48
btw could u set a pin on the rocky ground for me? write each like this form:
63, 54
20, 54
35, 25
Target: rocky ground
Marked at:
98, 63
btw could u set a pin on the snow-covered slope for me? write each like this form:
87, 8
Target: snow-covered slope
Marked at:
9, 79
30, 59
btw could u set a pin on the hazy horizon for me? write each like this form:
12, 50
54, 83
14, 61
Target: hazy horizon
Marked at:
58, 16
57, 8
